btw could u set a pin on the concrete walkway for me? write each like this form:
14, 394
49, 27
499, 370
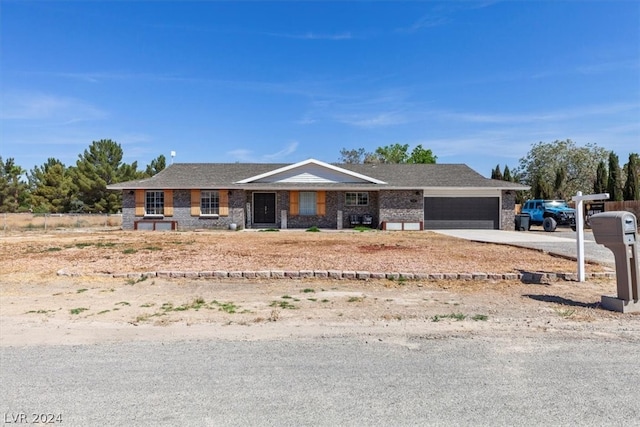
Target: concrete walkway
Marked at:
561, 242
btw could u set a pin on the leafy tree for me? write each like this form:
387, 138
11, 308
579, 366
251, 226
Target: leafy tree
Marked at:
158, 164
422, 155
354, 156
600, 184
613, 182
13, 190
394, 153
496, 173
51, 187
506, 175
579, 163
101, 165
632, 183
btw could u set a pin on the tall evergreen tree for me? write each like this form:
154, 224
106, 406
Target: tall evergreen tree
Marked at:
496, 173
540, 188
506, 175
559, 183
158, 164
51, 187
600, 184
632, 183
101, 165
613, 181
13, 189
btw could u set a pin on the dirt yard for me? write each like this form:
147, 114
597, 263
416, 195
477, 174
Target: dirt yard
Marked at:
40, 307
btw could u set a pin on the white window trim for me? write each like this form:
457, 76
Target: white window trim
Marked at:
356, 193
315, 203
206, 215
153, 215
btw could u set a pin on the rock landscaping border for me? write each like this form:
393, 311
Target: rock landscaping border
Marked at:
526, 277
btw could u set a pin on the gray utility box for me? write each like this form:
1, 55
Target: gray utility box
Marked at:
618, 231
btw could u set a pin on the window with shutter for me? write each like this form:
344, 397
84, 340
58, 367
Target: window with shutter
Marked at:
321, 202
140, 200
168, 202
195, 202
294, 203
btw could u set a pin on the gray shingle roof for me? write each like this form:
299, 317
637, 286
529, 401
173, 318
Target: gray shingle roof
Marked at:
226, 175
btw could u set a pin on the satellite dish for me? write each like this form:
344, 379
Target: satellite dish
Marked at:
173, 154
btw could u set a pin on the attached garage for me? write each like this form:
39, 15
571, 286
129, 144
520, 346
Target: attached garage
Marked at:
461, 213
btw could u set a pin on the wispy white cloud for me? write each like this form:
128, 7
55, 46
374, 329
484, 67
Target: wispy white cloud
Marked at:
541, 116
310, 35
97, 77
426, 21
282, 154
362, 110
593, 68
605, 67
375, 120
242, 155
48, 109
250, 156
443, 14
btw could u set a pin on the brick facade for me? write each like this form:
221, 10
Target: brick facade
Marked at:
385, 205
402, 205
335, 205
182, 212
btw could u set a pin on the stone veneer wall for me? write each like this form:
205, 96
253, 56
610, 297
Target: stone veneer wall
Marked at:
182, 212
334, 202
128, 210
401, 205
508, 210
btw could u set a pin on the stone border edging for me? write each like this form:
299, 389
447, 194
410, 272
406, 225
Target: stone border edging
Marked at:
527, 277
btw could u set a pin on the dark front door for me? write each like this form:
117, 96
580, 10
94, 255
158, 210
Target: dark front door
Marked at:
264, 208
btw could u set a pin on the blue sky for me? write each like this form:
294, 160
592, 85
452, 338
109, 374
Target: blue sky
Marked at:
476, 82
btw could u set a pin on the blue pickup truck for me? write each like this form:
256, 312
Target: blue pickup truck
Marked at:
550, 214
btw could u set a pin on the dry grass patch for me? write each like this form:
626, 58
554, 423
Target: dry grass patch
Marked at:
127, 251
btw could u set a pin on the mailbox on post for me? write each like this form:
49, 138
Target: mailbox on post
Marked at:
618, 231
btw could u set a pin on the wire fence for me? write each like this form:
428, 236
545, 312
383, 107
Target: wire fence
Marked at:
29, 222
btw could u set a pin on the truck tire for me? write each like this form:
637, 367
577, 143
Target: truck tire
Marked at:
549, 224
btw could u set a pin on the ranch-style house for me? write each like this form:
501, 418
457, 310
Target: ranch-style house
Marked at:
314, 193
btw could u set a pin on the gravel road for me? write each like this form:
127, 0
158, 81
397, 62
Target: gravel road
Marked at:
351, 381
